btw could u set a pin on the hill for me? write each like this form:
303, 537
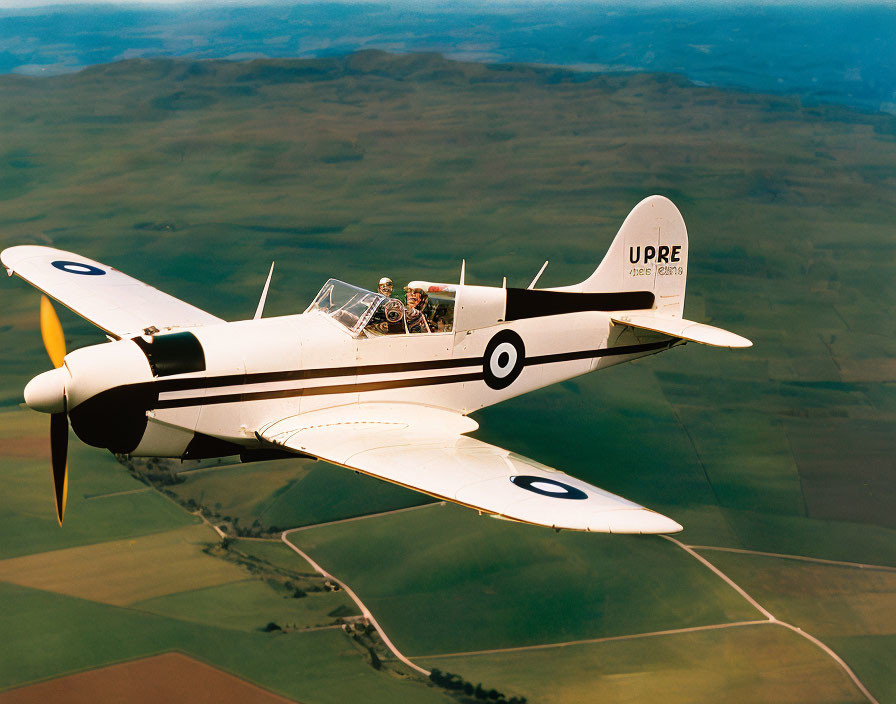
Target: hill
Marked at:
194, 175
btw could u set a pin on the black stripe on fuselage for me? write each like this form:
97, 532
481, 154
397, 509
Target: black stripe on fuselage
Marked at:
388, 384
319, 390
303, 374
537, 303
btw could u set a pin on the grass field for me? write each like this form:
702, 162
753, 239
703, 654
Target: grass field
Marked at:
58, 635
596, 417
745, 664
290, 493
104, 503
193, 176
872, 659
251, 605
848, 608
273, 552
124, 572
446, 580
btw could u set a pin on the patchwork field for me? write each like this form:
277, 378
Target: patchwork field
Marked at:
57, 635
167, 677
251, 605
443, 580
123, 572
104, 502
743, 664
193, 176
849, 608
266, 496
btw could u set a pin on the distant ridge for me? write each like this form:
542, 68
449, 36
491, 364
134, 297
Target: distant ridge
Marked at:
824, 52
233, 78
421, 67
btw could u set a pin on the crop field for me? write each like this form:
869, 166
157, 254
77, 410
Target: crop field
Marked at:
290, 493
478, 583
123, 572
104, 502
746, 664
147, 681
250, 605
836, 603
194, 175
58, 635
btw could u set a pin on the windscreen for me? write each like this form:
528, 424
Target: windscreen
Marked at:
348, 305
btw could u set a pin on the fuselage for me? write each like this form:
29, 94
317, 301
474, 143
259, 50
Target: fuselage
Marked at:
206, 392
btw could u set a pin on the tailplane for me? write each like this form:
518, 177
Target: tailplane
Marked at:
650, 254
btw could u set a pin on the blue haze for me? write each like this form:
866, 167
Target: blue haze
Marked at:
836, 54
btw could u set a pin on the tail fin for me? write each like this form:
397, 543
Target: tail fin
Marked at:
650, 253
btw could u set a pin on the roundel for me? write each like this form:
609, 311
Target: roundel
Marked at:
548, 487
77, 268
504, 359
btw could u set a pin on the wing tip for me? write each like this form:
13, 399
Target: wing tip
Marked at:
642, 521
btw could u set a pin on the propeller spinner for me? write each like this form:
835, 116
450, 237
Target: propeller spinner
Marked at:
46, 393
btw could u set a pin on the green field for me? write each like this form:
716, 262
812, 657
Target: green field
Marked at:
58, 634
195, 175
100, 504
745, 664
443, 580
848, 608
126, 571
267, 496
250, 606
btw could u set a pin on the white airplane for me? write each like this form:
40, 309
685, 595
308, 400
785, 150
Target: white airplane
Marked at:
349, 381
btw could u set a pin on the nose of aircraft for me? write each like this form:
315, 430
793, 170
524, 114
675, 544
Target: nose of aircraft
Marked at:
109, 393
46, 392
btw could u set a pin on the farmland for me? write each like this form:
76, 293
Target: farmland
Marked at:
150, 680
193, 176
479, 584
739, 664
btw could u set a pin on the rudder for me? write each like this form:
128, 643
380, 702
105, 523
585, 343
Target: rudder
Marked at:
649, 253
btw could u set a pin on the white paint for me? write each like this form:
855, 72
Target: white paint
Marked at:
506, 352
553, 488
393, 406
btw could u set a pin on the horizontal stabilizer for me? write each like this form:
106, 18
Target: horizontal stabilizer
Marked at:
684, 329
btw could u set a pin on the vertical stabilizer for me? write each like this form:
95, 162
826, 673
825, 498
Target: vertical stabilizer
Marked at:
650, 253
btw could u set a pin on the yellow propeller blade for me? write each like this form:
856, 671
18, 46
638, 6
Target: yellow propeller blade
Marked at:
51, 332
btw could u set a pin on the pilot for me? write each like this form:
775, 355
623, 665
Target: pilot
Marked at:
385, 286
415, 310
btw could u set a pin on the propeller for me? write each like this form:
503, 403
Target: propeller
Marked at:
54, 342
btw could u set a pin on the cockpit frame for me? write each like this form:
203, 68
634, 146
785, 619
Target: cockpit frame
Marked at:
364, 312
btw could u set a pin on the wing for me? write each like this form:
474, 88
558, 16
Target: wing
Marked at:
113, 301
425, 449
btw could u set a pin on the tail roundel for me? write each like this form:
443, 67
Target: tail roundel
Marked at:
649, 253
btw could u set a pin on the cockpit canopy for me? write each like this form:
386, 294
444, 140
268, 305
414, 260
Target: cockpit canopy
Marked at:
372, 314
348, 305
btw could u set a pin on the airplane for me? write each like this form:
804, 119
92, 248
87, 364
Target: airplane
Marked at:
357, 380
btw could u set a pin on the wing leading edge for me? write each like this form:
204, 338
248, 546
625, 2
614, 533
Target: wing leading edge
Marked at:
113, 301
684, 329
425, 449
